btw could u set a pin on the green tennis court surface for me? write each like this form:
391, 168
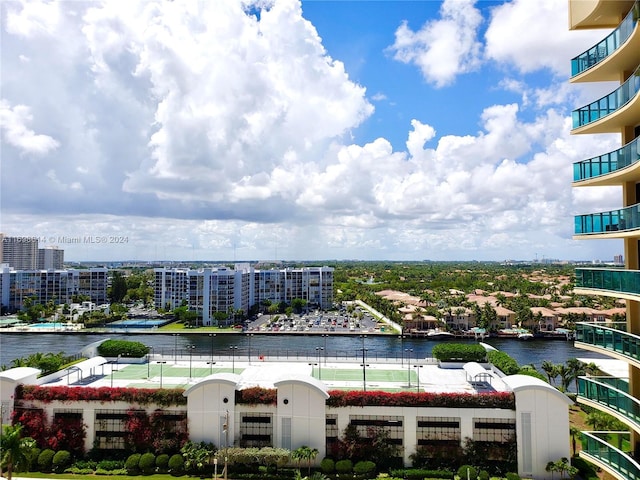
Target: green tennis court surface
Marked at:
352, 375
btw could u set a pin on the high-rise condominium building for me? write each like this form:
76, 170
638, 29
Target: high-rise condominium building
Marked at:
50, 258
615, 58
17, 287
226, 290
20, 253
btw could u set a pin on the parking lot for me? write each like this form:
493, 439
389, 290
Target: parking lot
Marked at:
318, 322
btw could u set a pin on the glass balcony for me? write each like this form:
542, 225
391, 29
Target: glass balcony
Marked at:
606, 47
607, 163
595, 447
609, 103
614, 221
615, 280
609, 339
607, 395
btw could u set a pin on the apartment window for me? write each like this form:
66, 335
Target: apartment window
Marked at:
110, 429
438, 430
500, 430
256, 430
331, 431
368, 424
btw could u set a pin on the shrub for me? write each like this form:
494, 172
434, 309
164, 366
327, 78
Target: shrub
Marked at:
32, 459
45, 460
120, 471
176, 465
85, 464
327, 465
141, 396
61, 460
162, 463
109, 465
447, 352
467, 471
512, 476
483, 475
147, 463
503, 362
132, 465
124, 348
364, 468
585, 469
358, 398
419, 474
79, 471
344, 466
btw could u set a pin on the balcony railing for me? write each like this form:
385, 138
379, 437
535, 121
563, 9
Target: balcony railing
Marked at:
606, 47
596, 447
609, 339
611, 279
609, 103
607, 163
607, 395
613, 221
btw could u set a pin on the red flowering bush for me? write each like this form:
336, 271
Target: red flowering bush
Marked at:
140, 396
34, 424
356, 398
161, 431
66, 432
139, 432
257, 396
170, 431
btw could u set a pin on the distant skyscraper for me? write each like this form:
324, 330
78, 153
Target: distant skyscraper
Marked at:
50, 258
20, 253
618, 259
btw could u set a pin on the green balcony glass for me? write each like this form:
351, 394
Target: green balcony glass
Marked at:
609, 103
625, 344
603, 391
607, 163
608, 222
614, 280
606, 47
595, 447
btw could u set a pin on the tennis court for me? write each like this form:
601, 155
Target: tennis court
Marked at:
182, 373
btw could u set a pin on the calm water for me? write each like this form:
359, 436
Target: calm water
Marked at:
16, 345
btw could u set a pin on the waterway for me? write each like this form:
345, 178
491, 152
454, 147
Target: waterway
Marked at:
17, 345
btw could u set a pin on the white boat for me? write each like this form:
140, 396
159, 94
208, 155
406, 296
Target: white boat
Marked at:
525, 336
438, 334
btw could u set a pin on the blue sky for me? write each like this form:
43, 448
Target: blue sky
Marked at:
248, 130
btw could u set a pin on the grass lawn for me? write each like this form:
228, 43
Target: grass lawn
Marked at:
66, 476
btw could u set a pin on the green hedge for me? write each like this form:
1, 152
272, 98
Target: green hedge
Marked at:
45, 460
124, 348
419, 474
459, 352
344, 466
147, 463
176, 465
327, 465
132, 465
503, 362
61, 460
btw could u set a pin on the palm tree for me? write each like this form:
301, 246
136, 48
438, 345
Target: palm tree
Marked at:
312, 453
15, 448
574, 432
551, 371
577, 368
305, 453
